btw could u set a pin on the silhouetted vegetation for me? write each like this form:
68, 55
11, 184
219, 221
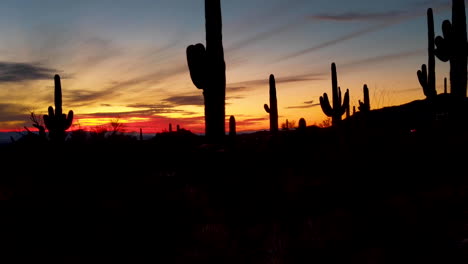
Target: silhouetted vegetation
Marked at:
452, 46
339, 105
382, 185
57, 122
273, 108
208, 72
427, 77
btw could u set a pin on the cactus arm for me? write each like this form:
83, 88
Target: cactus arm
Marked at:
325, 104
267, 109
69, 120
196, 59
422, 77
342, 109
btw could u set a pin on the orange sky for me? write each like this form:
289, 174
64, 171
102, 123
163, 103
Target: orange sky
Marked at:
129, 64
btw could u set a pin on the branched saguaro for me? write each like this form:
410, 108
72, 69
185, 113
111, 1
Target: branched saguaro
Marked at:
208, 72
273, 108
427, 76
57, 122
453, 47
339, 106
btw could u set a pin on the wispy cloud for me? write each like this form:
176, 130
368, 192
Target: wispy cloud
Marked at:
335, 41
263, 35
254, 84
383, 58
308, 104
196, 100
359, 16
383, 19
19, 72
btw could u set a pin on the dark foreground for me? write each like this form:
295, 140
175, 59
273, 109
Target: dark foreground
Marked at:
280, 202
391, 188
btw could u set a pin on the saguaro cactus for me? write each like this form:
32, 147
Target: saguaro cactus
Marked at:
365, 106
339, 108
232, 126
208, 72
56, 122
427, 77
273, 108
453, 47
302, 124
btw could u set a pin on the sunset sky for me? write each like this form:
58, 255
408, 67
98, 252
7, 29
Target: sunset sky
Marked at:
126, 60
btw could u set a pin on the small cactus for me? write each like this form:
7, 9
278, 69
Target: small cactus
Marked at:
273, 108
302, 124
232, 126
365, 106
339, 107
56, 122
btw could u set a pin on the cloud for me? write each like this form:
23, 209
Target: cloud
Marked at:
253, 84
359, 16
308, 104
262, 36
383, 58
196, 100
19, 72
335, 41
384, 20
155, 109
13, 112
250, 121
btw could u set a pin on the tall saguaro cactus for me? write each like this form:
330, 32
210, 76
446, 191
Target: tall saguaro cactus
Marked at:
208, 72
339, 107
56, 122
273, 108
427, 76
453, 47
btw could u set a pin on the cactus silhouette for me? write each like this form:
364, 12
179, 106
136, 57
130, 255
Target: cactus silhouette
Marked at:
273, 108
339, 107
445, 85
208, 72
453, 47
232, 126
56, 122
302, 124
365, 106
427, 76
